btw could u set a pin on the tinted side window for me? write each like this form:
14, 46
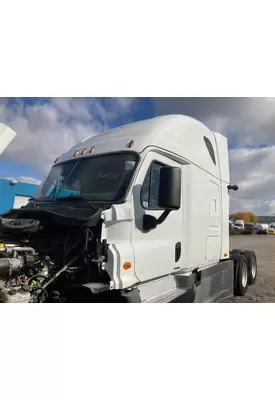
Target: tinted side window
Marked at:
150, 187
210, 149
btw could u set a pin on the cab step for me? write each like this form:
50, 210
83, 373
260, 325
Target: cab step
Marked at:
167, 297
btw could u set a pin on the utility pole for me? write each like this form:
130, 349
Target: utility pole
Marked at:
6, 137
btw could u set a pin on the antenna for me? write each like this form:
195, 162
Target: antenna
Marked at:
6, 137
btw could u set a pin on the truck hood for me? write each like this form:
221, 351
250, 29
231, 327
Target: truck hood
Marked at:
70, 215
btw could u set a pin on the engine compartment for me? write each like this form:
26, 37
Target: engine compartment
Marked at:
45, 261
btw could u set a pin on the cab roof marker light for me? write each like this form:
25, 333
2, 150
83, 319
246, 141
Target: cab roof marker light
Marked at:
130, 144
57, 158
76, 153
92, 149
83, 151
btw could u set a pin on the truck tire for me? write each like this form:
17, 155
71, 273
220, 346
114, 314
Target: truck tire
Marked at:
252, 266
241, 272
236, 251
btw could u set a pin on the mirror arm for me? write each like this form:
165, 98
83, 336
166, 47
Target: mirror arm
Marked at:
163, 216
147, 220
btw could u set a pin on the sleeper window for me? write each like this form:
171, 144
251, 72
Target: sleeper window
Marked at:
210, 149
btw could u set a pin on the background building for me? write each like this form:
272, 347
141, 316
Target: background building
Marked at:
266, 219
15, 194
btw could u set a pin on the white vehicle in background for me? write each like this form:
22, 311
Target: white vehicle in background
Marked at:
117, 219
239, 224
261, 229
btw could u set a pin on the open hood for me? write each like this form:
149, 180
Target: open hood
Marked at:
70, 216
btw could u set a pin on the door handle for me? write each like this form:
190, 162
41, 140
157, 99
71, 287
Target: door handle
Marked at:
177, 251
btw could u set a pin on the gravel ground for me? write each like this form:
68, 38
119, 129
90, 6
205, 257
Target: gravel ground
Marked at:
264, 246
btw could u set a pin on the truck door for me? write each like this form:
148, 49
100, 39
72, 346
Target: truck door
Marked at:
159, 251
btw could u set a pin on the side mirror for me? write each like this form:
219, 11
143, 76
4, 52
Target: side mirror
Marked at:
149, 222
233, 187
169, 196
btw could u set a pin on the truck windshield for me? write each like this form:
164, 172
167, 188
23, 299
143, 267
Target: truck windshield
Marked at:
99, 178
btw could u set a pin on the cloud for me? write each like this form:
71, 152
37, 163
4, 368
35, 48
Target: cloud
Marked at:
259, 207
47, 128
245, 121
252, 170
249, 123
26, 179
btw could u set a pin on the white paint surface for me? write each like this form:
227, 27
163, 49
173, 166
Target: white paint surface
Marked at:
6, 137
20, 201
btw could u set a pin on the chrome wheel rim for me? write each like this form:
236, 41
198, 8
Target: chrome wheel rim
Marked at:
253, 268
244, 275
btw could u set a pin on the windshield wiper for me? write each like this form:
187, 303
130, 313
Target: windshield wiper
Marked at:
39, 200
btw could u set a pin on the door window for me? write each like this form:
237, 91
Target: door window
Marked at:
150, 187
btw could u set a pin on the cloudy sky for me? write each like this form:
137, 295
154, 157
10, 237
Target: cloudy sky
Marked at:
47, 127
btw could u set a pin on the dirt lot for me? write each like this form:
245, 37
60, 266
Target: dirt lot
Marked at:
264, 246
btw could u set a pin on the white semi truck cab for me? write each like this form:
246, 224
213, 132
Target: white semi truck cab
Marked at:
135, 214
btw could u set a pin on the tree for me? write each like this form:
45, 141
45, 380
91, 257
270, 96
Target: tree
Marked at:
245, 216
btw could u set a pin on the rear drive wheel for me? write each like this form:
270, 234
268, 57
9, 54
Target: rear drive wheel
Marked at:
241, 272
236, 251
252, 266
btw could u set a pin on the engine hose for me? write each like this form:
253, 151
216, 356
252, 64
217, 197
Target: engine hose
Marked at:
63, 269
24, 249
40, 288
35, 276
